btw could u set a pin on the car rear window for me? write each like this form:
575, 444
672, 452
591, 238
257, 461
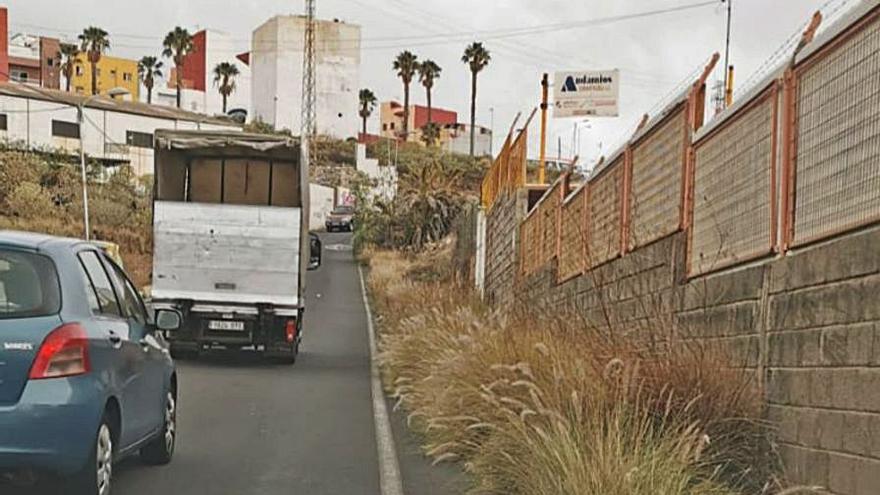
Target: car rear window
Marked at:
28, 285
344, 210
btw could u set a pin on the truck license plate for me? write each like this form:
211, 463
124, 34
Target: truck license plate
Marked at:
235, 326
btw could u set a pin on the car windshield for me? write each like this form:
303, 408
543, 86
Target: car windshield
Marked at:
344, 210
28, 285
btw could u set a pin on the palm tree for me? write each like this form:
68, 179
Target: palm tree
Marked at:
429, 71
149, 69
368, 104
178, 44
70, 59
477, 57
224, 79
94, 41
430, 133
406, 64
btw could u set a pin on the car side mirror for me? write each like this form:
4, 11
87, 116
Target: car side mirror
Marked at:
168, 319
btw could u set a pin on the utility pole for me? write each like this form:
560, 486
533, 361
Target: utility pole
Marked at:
727, 71
492, 132
542, 171
309, 126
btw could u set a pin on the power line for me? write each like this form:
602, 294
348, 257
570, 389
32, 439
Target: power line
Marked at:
442, 38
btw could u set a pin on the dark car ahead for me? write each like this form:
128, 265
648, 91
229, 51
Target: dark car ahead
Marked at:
341, 218
85, 373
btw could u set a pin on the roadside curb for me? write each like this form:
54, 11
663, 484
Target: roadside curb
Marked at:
390, 482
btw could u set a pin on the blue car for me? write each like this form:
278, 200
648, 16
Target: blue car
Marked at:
85, 373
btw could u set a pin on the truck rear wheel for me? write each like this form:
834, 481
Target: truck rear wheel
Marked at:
284, 356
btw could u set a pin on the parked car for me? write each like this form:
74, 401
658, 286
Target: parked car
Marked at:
85, 373
341, 218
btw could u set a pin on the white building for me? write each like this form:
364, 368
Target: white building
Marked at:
115, 132
277, 69
200, 93
457, 139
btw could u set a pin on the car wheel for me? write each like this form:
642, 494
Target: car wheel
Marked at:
96, 477
160, 450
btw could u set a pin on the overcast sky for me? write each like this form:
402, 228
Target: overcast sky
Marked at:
654, 53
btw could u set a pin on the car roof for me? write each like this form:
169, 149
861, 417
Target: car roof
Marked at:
37, 241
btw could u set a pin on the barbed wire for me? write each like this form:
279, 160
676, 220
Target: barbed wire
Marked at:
786, 49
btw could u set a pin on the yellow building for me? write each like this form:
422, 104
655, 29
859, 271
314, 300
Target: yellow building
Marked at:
113, 72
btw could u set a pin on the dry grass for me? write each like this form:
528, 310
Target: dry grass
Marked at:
548, 406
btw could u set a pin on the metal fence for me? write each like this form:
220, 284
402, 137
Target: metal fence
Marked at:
734, 183
657, 172
836, 168
606, 214
573, 234
795, 162
508, 171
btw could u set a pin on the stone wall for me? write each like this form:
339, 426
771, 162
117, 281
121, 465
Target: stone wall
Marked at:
808, 323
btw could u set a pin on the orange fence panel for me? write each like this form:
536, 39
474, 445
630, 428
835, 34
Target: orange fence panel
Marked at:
734, 215
837, 158
657, 168
573, 238
606, 213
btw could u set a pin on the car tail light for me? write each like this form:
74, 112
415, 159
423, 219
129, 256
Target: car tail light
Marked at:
65, 352
290, 330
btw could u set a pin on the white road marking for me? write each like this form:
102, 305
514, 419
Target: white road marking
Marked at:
338, 247
389, 470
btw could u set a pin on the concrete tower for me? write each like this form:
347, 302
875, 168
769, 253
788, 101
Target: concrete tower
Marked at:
277, 65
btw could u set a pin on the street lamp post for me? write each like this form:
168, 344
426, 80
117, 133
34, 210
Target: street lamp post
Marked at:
82, 165
80, 115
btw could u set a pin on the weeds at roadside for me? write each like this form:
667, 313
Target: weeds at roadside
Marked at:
548, 405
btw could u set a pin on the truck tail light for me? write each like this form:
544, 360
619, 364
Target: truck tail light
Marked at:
64, 352
290, 330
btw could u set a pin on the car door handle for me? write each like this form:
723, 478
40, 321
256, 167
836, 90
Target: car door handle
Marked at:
115, 339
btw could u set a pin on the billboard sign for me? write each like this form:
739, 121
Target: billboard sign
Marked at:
586, 93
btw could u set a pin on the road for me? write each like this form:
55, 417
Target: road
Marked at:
251, 428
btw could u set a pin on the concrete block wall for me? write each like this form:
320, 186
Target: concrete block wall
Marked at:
501, 270
808, 323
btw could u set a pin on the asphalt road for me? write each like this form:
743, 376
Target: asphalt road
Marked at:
251, 428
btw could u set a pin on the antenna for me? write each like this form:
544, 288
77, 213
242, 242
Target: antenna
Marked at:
309, 126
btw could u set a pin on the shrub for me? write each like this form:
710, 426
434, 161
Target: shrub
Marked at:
29, 200
547, 404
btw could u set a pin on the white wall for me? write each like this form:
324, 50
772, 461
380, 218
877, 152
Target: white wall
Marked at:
320, 205
462, 143
277, 62
190, 99
104, 132
385, 177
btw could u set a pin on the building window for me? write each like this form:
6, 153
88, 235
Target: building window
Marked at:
50, 62
384, 127
64, 129
20, 76
139, 139
126, 76
392, 126
79, 70
2, 121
